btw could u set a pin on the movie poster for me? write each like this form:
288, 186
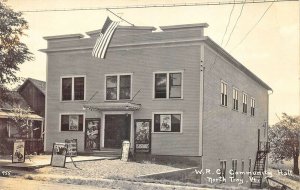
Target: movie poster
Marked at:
165, 122
59, 152
142, 135
18, 152
73, 122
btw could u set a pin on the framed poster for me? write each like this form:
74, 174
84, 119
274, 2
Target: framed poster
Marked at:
59, 153
165, 122
72, 147
73, 122
142, 135
92, 134
18, 152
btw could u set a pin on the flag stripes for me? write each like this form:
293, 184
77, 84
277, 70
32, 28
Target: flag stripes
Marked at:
104, 38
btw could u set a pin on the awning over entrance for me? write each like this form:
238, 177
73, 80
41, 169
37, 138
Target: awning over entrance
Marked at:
8, 114
113, 106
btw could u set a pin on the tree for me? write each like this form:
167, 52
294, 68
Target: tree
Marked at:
12, 51
284, 139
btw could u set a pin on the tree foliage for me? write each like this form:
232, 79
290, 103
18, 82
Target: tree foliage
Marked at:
12, 51
284, 139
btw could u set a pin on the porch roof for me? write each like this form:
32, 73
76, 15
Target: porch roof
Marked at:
8, 114
113, 106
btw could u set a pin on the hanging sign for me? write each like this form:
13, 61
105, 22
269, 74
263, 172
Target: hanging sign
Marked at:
18, 152
59, 152
125, 150
142, 135
72, 147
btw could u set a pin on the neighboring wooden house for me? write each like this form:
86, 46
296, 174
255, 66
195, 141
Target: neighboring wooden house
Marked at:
202, 103
34, 91
29, 96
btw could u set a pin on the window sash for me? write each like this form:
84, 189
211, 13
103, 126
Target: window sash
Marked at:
118, 87
167, 85
174, 122
65, 122
66, 89
79, 88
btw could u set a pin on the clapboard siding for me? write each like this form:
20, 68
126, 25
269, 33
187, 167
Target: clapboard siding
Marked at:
142, 63
229, 134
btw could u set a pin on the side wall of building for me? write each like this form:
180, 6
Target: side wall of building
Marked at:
142, 63
230, 134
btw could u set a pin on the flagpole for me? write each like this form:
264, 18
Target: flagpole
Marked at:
119, 17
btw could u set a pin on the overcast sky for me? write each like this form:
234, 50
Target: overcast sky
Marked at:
271, 50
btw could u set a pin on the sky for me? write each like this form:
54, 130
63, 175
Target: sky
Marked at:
270, 50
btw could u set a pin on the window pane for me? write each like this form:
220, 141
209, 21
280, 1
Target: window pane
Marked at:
79, 88
175, 79
156, 123
125, 81
176, 122
175, 85
111, 93
125, 87
125, 93
161, 85
111, 81
67, 89
64, 122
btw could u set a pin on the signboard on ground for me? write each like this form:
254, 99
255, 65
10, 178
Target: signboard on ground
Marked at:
59, 152
18, 152
142, 135
72, 147
125, 150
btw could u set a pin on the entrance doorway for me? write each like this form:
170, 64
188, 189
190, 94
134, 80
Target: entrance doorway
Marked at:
117, 129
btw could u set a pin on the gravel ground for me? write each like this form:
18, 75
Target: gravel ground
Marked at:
107, 169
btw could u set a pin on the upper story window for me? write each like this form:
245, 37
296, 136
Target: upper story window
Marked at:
167, 122
223, 93
223, 169
245, 99
71, 122
234, 168
73, 88
252, 106
168, 85
118, 87
235, 95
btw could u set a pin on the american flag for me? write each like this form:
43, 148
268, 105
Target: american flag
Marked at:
103, 40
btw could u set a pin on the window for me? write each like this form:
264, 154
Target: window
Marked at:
223, 94
118, 87
71, 122
223, 169
167, 122
245, 99
168, 85
72, 88
234, 168
252, 106
235, 99
250, 164
242, 169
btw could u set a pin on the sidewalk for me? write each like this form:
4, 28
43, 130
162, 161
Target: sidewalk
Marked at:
38, 161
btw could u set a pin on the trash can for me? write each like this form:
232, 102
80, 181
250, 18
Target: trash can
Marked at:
125, 150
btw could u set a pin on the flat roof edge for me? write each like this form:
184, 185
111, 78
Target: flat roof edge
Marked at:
184, 26
66, 36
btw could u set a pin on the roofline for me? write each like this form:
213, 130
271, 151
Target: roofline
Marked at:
66, 36
28, 79
184, 26
124, 27
235, 62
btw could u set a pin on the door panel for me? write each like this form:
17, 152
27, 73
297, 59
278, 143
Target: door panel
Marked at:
117, 129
